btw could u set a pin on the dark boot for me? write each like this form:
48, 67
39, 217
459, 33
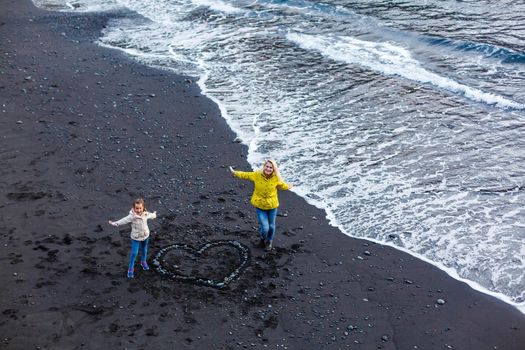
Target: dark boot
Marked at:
268, 246
262, 243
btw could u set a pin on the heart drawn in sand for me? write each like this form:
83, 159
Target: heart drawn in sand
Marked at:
208, 268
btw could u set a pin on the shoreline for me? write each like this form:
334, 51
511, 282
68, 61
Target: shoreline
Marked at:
71, 160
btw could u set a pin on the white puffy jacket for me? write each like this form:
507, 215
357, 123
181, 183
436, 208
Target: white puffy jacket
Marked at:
139, 224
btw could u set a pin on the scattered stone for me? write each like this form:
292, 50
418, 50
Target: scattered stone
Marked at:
440, 302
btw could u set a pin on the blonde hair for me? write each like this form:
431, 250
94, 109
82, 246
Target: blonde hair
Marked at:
276, 171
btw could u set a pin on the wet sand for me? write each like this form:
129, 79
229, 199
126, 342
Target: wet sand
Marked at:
85, 130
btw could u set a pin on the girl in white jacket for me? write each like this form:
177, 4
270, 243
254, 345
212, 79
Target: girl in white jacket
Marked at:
138, 217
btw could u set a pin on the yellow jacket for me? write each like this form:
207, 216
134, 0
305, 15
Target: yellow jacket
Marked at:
265, 190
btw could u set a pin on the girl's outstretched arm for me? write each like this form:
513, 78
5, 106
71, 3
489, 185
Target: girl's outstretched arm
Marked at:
123, 221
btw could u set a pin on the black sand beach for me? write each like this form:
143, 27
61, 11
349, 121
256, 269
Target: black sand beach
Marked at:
85, 130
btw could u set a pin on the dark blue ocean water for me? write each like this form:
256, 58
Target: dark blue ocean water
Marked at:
404, 120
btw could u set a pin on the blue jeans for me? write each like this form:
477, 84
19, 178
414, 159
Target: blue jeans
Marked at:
135, 245
266, 223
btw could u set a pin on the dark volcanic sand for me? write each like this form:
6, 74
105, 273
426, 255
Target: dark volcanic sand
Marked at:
85, 130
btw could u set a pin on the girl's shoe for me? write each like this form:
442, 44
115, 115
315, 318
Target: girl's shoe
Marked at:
145, 266
130, 273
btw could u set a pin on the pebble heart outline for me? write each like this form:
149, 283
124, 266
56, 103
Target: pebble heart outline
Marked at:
244, 255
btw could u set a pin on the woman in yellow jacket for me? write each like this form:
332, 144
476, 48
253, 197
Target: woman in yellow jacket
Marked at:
264, 198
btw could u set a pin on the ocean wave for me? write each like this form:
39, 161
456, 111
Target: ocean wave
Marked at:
79, 5
486, 50
392, 60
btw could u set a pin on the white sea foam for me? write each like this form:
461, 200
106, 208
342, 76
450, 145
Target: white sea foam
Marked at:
79, 5
392, 60
218, 6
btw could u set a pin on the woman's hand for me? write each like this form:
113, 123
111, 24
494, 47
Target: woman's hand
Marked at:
112, 223
232, 171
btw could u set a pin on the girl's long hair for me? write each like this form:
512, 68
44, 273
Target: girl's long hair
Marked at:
275, 169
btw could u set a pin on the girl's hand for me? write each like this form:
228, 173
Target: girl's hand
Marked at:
111, 223
231, 170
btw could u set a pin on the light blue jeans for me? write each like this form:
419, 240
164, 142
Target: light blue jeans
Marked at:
266, 223
135, 245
